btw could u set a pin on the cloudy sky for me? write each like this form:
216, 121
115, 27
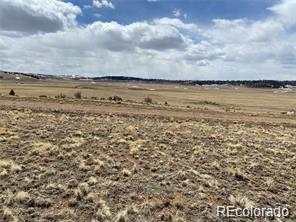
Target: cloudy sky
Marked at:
172, 39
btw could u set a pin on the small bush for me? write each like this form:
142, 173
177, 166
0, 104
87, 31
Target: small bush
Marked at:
43, 96
12, 93
148, 100
117, 98
78, 95
61, 96
166, 103
206, 102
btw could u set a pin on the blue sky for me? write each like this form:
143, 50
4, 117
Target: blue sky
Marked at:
169, 39
198, 11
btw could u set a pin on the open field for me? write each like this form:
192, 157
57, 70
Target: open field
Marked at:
216, 98
66, 159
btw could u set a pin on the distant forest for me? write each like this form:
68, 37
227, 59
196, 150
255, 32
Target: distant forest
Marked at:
246, 83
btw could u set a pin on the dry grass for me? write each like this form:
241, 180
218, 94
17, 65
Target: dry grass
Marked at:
241, 201
100, 166
224, 98
22, 197
8, 215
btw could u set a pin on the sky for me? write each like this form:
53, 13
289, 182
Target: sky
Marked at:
167, 39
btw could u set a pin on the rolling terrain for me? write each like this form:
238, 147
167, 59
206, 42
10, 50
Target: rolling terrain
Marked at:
175, 158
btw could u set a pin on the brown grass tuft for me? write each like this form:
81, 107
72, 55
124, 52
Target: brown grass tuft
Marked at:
22, 197
241, 201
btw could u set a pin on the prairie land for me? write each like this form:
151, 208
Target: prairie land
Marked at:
92, 159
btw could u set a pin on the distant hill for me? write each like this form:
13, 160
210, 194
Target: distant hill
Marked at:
246, 83
13, 75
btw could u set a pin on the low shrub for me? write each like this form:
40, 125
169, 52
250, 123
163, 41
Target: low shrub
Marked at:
78, 95
148, 100
61, 96
12, 93
115, 98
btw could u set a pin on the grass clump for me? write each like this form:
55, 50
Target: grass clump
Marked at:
241, 201
3, 173
78, 95
103, 211
22, 197
8, 215
126, 172
148, 100
61, 96
115, 98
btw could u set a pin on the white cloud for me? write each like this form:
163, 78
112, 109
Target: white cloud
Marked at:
97, 15
286, 11
87, 6
204, 51
31, 16
118, 38
177, 12
103, 4
177, 23
241, 30
143, 48
161, 48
